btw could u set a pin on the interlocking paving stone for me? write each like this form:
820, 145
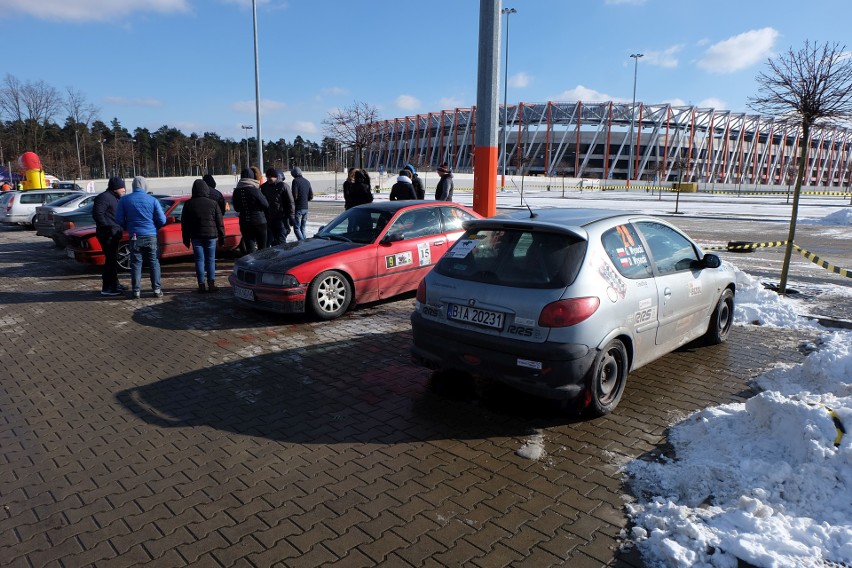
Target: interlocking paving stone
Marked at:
190, 431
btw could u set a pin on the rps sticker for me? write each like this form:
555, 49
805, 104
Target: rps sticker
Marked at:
399, 259
644, 316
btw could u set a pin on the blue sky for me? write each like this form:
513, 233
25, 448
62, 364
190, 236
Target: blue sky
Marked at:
190, 63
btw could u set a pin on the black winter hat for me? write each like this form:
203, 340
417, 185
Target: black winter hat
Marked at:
115, 183
271, 173
247, 173
208, 179
444, 168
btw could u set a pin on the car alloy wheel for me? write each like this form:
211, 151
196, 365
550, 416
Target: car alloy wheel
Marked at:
330, 295
123, 256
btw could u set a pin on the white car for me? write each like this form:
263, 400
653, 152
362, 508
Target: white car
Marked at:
20, 207
45, 222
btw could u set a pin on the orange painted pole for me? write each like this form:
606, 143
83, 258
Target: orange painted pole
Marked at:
485, 137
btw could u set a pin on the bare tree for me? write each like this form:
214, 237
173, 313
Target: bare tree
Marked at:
79, 112
31, 106
813, 87
352, 126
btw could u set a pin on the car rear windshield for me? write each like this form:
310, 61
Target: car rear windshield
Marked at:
514, 257
64, 200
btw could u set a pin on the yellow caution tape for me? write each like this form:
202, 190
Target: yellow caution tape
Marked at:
822, 263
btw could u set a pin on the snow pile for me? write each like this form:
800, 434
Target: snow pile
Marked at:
768, 482
839, 217
755, 305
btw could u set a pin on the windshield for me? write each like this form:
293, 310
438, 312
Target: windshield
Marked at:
64, 200
358, 225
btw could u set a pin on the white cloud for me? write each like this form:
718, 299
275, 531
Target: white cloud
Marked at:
713, 102
266, 105
581, 93
407, 102
450, 102
91, 10
676, 102
124, 101
304, 127
739, 51
334, 91
666, 58
520, 80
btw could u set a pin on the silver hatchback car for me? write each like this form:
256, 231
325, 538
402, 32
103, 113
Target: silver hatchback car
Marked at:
564, 303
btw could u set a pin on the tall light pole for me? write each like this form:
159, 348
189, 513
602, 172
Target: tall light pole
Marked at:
507, 12
103, 156
133, 154
246, 128
635, 57
257, 87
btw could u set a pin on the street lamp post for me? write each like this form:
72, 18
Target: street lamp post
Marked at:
635, 57
103, 156
133, 154
246, 128
507, 12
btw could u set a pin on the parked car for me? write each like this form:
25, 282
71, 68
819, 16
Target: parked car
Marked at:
367, 253
20, 207
67, 185
77, 219
564, 303
45, 218
84, 247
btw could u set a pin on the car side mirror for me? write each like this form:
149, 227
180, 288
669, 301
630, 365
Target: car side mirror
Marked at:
710, 260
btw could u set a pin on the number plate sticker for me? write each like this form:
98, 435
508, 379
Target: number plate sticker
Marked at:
485, 318
244, 293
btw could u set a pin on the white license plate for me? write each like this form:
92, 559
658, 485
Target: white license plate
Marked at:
244, 293
485, 318
70, 253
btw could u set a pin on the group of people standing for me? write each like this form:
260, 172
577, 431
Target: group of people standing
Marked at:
268, 209
409, 185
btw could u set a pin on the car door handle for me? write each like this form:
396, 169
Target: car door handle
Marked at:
439, 242
667, 292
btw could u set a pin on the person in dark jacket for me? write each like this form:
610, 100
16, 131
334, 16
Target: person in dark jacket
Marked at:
302, 193
250, 203
347, 188
402, 189
419, 189
201, 227
281, 214
356, 189
214, 193
444, 189
108, 233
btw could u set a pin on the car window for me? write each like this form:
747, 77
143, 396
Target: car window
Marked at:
453, 218
31, 198
177, 211
627, 252
229, 208
417, 223
51, 197
513, 257
63, 200
359, 225
671, 251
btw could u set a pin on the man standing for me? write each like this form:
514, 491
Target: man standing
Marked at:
403, 188
281, 212
444, 189
108, 232
214, 193
302, 193
416, 182
142, 215
250, 203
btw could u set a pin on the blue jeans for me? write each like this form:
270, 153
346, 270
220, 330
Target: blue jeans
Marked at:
204, 251
301, 224
144, 249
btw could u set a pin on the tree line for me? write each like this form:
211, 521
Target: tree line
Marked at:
84, 147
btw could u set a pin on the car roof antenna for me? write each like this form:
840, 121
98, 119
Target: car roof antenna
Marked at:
524, 201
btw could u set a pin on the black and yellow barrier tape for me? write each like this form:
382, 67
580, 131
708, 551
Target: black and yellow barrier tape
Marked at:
822, 263
838, 425
735, 247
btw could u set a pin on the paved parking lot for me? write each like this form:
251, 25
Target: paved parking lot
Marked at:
188, 431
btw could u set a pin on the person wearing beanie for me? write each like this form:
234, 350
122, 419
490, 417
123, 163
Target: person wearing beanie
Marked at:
214, 193
444, 189
258, 175
419, 189
403, 189
108, 233
201, 227
280, 215
251, 204
141, 215
302, 193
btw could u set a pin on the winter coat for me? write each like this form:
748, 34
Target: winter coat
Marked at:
402, 189
280, 199
249, 202
103, 211
419, 189
217, 196
444, 189
357, 193
140, 213
201, 217
302, 190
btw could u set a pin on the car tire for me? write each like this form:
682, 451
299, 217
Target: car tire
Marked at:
330, 295
607, 379
721, 320
123, 256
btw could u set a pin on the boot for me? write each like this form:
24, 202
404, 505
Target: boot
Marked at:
201, 288
211, 286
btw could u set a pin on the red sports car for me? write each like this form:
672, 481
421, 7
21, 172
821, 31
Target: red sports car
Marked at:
367, 253
83, 246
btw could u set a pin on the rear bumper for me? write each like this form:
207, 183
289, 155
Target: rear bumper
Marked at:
550, 370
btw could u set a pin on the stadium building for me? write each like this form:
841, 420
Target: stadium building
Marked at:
593, 140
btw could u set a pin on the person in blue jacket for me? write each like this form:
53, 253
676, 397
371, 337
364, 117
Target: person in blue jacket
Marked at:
141, 215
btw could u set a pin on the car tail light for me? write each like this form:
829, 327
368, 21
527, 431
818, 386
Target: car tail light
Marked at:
569, 312
10, 203
421, 292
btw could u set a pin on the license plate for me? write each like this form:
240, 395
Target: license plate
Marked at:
70, 253
244, 293
476, 316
